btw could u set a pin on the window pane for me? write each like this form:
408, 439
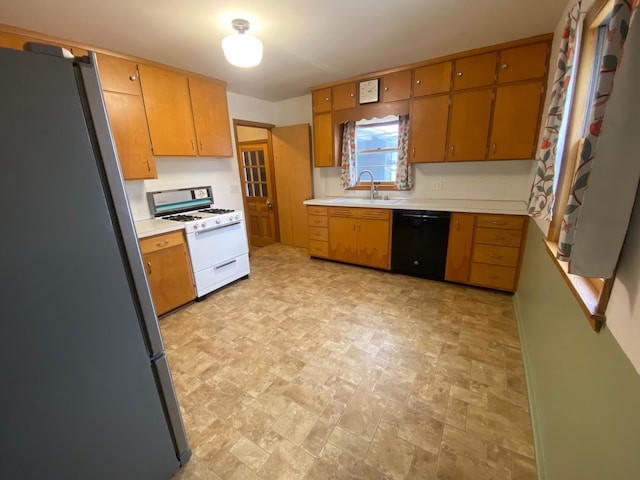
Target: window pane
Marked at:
377, 148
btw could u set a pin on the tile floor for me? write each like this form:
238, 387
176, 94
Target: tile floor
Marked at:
317, 370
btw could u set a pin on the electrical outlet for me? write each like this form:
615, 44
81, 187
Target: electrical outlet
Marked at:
437, 185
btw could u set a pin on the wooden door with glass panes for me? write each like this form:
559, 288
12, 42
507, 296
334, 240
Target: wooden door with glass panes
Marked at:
257, 192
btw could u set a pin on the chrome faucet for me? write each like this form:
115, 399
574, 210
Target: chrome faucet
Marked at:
372, 193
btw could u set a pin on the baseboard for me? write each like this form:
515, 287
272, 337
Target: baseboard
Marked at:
535, 421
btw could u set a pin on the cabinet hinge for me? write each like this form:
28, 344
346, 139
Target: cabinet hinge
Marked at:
151, 147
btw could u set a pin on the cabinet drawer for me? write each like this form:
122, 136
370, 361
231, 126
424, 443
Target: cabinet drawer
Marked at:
158, 242
319, 233
317, 221
313, 210
496, 255
500, 221
492, 276
494, 236
318, 249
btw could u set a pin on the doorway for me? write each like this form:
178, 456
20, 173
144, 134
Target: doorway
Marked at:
274, 164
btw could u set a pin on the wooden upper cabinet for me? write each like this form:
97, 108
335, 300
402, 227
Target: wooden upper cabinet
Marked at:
522, 63
516, 117
125, 109
428, 132
475, 71
432, 79
321, 100
396, 86
210, 118
323, 140
469, 125
168, 107
344, 96
130, 134
13, 41
118, 75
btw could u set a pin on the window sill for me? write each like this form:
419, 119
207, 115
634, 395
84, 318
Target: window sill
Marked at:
586, 293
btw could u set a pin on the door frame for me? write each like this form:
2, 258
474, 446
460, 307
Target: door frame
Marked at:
272, 178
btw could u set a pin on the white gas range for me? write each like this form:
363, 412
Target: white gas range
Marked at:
216, 237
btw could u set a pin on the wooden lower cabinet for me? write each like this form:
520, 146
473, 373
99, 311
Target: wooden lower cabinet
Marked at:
361, 236
486, 250
317, 223
168, 268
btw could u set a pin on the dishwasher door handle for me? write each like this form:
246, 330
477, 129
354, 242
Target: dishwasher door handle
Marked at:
409, 215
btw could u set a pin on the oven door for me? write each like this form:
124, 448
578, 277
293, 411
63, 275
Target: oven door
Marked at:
212, 247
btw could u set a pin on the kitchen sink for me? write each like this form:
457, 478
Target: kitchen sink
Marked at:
365, 201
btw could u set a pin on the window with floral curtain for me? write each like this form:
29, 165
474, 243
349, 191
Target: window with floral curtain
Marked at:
380, 146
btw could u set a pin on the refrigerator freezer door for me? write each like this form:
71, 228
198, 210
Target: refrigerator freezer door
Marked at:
79, 396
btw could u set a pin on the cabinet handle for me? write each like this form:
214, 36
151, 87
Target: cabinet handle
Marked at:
504, 66
497, 238
413, 151
386, 89
200, 144
457, 224
458, 74
352, 94
418, 82
149, 267
132, 78
148, 165
499, 222
193, 145
453, 150
494, 255
492, 276
163, 243
326, 99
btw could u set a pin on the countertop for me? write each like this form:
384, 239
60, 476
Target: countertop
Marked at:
438, 204
156, 226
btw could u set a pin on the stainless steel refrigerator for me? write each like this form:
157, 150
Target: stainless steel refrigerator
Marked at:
85, 387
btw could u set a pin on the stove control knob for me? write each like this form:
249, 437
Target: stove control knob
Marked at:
204, 224
217, 220
195, 226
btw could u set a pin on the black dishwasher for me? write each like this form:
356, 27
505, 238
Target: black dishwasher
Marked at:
419, 243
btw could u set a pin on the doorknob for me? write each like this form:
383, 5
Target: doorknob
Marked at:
269, 203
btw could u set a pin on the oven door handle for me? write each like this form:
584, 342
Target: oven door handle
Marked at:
226, 264
218, 228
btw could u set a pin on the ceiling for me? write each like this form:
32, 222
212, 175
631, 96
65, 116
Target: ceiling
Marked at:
306, 42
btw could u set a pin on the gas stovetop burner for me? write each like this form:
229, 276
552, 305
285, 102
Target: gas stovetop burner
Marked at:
216, 210
183, 218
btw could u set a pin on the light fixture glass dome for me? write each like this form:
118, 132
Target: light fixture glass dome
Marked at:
240, 49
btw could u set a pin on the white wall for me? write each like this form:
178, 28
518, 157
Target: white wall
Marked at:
220, 173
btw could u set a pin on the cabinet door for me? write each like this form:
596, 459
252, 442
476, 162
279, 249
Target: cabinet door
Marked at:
344, 96
459, 247
516, 117
428, 131
130, 134
373, 243
118, 75
469, 125
210, 118
475, 71
432, 79
168, 108
169, 277
396, 86
522, 63
323, 140
343, 239
321, 100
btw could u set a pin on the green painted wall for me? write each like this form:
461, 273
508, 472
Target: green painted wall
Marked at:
585, 393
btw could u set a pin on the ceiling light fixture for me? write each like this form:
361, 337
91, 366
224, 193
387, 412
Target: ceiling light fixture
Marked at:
240, 49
